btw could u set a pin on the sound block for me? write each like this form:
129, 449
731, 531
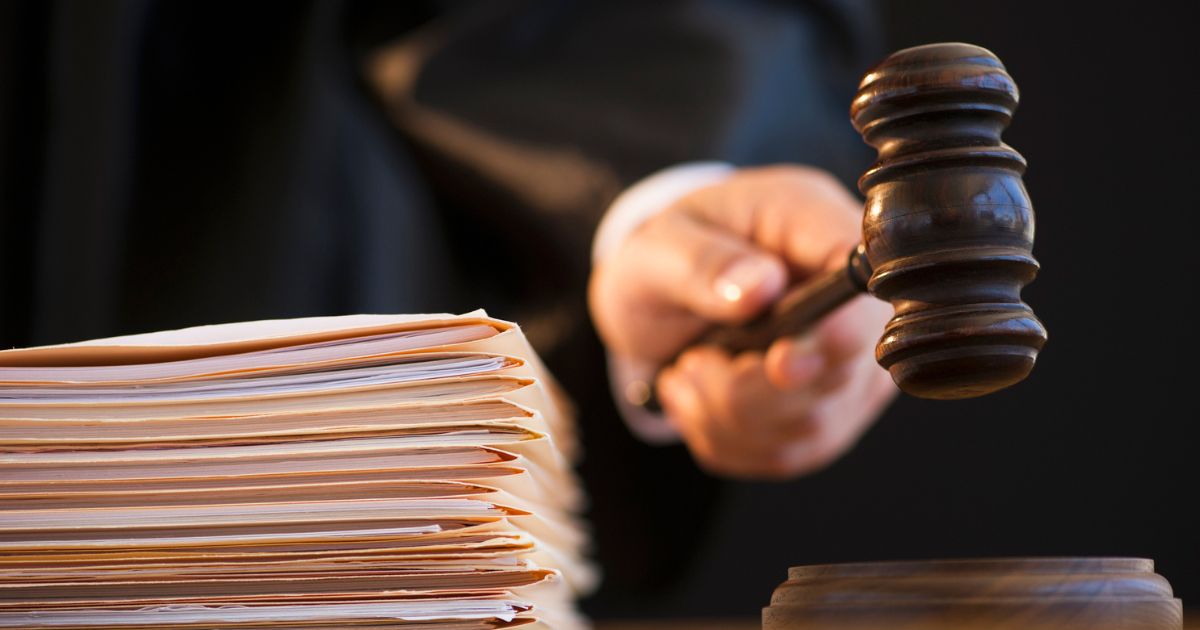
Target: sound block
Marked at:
986, 594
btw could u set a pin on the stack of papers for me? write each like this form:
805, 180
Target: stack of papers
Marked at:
348, 472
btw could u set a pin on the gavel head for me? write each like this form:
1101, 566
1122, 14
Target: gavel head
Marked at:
948, 229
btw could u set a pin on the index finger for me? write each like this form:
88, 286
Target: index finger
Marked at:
803, 215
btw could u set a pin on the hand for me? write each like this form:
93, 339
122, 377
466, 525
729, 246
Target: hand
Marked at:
721, 255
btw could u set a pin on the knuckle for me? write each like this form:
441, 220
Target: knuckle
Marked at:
836, 377
820, 425
661, 225
815, 422
734, 404
682, 405
709, 263
698, 360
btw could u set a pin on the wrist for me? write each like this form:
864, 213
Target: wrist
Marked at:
627, 213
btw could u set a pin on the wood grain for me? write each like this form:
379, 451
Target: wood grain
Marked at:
991, 594
948, 227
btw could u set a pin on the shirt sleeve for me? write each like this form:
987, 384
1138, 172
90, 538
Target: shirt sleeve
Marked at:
628, 376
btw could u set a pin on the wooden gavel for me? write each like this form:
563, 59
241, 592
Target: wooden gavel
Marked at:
947, 232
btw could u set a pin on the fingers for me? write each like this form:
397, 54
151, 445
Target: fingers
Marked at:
795, 363
675, 275
803, 215
845, 334
739, 397
789, 412
721, 254
704, 270
737, 423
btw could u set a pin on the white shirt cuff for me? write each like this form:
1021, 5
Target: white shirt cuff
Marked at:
648, 197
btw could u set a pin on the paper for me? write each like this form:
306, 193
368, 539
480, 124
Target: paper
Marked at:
365, 471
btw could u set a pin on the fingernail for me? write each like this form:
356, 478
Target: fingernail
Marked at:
745, 276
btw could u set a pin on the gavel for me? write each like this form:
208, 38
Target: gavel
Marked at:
947, 231
948, 240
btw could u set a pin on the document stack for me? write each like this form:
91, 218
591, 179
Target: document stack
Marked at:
349, 472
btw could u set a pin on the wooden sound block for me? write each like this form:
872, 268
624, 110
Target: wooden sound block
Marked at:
1008, 594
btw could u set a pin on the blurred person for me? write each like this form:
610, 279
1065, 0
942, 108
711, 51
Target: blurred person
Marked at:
168, 164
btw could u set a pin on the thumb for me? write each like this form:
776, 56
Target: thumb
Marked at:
802, 215
703, 269
671, 279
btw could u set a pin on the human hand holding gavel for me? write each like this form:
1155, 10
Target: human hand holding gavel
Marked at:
947, 239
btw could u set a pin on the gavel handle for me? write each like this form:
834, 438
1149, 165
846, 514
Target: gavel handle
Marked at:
797, 311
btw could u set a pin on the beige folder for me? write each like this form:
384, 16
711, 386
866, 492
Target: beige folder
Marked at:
348, 472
